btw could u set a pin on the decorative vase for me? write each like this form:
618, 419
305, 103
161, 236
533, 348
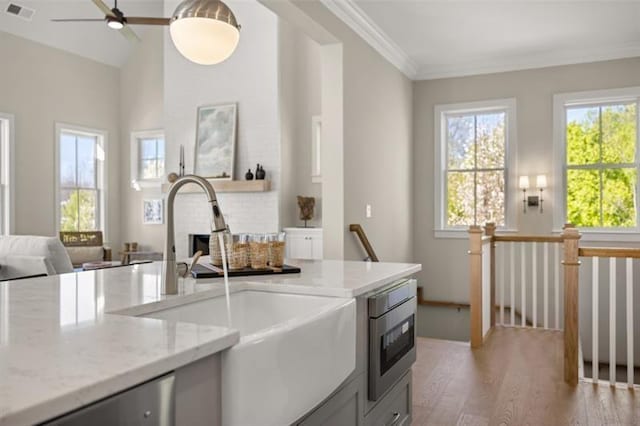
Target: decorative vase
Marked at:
260, 173
248, 175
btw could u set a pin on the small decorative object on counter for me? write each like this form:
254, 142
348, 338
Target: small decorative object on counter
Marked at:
259, 251
248, 175
134, 246
127, 247
306, 204
276, 249
260, 173
237, 246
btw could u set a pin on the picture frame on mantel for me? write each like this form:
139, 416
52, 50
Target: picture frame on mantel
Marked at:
216, 141
152, 211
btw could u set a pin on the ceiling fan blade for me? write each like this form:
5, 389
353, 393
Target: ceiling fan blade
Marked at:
133, 20
103, 7
78, 20
129, 34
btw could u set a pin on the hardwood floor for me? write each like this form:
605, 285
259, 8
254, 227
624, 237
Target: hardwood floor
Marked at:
514, 379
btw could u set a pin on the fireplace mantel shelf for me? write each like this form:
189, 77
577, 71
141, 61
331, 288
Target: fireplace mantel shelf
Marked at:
225, 186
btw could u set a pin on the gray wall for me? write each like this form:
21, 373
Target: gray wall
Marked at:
299, 86
445, 265
41, 85
377, 133
141, 108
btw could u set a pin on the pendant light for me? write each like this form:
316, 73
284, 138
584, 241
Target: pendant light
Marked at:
204, 31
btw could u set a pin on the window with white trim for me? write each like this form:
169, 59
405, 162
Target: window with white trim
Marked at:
473, 159
80, 181
147, 158
6, 174
597, 134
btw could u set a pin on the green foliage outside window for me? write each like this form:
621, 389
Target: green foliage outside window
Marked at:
601, 170
78, 211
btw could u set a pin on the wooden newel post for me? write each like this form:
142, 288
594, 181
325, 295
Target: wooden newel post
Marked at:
571, 262
490, 230
475, 288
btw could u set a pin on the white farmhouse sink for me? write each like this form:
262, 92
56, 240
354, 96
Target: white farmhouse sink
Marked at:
293, 352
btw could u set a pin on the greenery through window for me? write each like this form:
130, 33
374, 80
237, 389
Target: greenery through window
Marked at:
475, 168
151, 158
79, 190
601, 168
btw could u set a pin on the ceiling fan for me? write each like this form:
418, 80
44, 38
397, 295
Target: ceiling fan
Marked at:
117, 20
203, 31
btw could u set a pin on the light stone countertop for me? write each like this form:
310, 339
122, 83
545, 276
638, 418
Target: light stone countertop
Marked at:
69, 340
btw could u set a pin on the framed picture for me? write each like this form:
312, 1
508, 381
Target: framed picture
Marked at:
153, 212
216, 141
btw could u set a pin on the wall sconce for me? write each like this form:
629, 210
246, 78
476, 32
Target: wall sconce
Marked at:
532, 200
524, 185
541, 184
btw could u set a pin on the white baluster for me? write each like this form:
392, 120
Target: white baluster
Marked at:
523, 284
534, 285
630, 378
556, 285
612, 321
503, 267
594, 325
512, 283
546, 285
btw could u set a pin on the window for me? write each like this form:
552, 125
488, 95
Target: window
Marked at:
147, 158
472, 164
6, 174
80, 195
598, 143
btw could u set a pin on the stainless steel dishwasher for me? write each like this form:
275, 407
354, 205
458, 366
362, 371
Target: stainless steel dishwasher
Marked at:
149, 404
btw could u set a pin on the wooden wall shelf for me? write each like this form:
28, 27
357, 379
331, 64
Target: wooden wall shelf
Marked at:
225, 186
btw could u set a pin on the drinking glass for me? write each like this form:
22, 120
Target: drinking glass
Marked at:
237, 251
214, 248
276, 249
259, 251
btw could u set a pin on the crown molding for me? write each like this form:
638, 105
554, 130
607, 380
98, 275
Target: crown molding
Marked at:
521, 63
356, 19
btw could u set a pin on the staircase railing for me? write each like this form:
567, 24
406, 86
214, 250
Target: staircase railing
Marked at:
362, 236
501, 279
492, 256
613, 254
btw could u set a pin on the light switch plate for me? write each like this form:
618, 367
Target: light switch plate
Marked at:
368, 211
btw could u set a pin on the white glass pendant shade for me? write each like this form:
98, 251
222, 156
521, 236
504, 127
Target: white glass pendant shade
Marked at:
204, 31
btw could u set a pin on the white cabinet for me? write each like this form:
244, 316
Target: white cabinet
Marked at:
303, 243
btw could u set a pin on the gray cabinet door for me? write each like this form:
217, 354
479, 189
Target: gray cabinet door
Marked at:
344, 408
395, 407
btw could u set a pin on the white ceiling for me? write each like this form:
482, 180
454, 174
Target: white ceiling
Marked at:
93, 40
443, 38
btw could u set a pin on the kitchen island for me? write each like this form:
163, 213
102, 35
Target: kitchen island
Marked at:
67, 341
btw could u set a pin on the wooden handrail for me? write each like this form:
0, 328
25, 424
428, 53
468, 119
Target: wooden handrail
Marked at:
609, 252
362, 236
528, 238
